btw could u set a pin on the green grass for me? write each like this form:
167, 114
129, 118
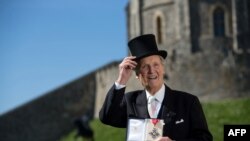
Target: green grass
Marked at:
101, 133
108, 133
226, 112
217, 113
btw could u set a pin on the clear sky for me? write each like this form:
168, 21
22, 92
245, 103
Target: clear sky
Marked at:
45, 44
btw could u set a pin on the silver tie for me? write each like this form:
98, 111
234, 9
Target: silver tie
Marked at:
152, 107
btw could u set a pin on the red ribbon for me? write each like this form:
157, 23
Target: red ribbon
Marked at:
155, 121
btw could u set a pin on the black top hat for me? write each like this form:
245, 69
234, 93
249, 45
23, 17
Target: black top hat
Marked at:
145, 45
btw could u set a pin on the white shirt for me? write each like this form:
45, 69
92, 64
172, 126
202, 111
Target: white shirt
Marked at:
159, 95
119, 86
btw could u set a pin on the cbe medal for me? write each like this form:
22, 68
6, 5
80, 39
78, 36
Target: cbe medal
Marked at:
154, 133
154, 129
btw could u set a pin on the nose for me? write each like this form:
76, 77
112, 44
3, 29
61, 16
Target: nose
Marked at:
150, 69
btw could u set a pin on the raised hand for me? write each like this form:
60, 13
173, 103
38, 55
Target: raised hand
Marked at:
125, 69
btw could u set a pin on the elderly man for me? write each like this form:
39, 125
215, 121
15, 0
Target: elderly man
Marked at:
181, 112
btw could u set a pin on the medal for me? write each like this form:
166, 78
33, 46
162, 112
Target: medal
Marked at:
154, 133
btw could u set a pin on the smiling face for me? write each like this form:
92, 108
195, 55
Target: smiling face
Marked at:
151, 72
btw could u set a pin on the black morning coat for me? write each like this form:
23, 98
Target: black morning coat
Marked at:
182, 113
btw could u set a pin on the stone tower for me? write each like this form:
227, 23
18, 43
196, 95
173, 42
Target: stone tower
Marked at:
167, 19
207, 42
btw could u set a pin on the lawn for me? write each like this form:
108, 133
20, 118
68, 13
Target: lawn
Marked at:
231, 111
218, 113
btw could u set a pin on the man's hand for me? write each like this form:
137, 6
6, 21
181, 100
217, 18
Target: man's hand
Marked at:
125, 70
165, 139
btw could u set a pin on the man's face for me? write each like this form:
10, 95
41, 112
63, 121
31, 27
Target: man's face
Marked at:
151, 73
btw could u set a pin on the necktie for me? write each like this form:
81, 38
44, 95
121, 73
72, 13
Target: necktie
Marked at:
152, 107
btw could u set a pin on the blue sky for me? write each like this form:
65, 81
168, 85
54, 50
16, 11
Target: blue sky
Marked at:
45, 44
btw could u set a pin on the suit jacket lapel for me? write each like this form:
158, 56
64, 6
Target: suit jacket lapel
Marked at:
167, 104
141, 105
166, 111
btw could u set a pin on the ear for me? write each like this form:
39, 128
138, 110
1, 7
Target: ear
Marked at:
164, 70
137, 76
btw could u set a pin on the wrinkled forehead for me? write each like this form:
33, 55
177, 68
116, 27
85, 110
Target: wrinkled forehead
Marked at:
149, 59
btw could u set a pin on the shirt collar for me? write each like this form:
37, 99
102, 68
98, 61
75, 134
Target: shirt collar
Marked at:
159, 95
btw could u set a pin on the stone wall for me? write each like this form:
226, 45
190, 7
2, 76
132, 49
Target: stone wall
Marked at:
197, 61
51, 116
207, 75
105, 77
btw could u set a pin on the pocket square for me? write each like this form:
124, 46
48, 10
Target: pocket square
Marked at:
179, 121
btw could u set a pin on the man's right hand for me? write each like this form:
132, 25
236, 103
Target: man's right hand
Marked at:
125, 70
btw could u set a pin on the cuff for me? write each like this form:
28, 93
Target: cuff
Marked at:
119, 86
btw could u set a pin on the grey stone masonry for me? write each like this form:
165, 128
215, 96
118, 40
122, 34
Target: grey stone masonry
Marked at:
51, 116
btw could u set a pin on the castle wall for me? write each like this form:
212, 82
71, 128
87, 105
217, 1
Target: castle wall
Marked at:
243, 25
151, 3
105, 78
51, 116
134, 19
209, 75
197, 61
